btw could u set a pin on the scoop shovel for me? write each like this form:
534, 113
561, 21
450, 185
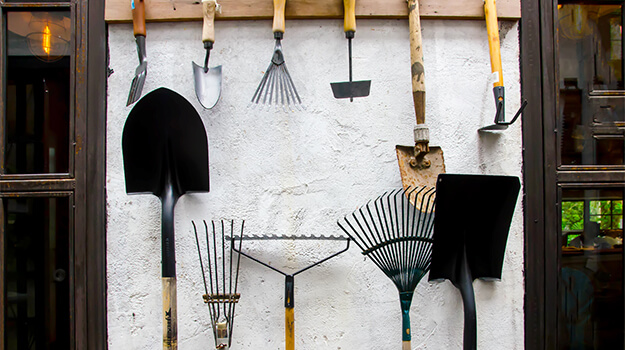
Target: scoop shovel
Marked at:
350, 88
473, 216
207, 80
419, 165
166, 154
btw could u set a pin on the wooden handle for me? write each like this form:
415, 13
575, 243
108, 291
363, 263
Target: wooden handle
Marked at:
278, 15
208, 30
170, 314
405, 345
492, 28
138, 16
289, 336
416, 61
349, 24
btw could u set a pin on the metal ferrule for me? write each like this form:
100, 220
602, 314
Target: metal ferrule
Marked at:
140, 41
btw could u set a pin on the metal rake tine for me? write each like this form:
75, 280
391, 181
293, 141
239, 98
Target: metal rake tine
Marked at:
284, 94
390, 249
236, 283
223, 263
363, 248
352, 236
292, 85
216, 265
381, 256
197, 241
385, 253
211, 309
261, 85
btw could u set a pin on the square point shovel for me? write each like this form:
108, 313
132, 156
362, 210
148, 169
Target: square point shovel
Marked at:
165, 151
473, 216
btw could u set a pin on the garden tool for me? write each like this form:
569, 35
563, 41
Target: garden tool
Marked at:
138, 27
207, 80
165, 151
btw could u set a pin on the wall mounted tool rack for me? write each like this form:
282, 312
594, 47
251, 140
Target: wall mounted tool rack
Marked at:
118, 11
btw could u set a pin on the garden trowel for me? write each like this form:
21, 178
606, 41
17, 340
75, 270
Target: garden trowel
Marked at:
207, 80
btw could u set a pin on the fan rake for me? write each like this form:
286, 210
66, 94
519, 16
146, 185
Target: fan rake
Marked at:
222, 279
397, 236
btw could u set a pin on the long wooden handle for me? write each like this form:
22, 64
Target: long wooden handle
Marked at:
289, 329
279, 7
492, 28
208, 30
405, 345
138, 17
416, 61
349, 24
170, 314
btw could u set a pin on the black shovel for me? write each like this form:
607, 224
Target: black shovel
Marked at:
473, 215
166, 154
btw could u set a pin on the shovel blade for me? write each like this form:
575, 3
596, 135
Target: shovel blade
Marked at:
207, 85
351, 89
136, 87
419, 176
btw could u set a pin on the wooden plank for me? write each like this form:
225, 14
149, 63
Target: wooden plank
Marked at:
189, 10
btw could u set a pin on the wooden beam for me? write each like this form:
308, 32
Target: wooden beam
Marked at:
190, 10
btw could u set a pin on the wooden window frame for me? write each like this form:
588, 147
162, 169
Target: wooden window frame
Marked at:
543, 175
85, 181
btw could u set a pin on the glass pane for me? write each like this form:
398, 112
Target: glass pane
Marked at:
36, 273
590, 312
38, 93
592, 95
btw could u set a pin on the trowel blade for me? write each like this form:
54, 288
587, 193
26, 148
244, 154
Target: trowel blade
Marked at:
207, 85
419, 177
351, 89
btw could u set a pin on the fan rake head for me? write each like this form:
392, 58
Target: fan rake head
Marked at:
220, 274
276, 87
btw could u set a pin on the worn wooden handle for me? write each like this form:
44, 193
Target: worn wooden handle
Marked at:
405, 345
170, 314
289, 329
278, 15
138, 16
416, 61
494, 46
208, 30
349, 24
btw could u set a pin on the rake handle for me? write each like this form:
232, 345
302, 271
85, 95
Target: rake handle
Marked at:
416, 61
279, 7
349, 23
494, 46
208, 29
138, 17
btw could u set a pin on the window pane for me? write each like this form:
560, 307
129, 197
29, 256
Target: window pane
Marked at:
590, 312
37, 273
38, 93
592, 95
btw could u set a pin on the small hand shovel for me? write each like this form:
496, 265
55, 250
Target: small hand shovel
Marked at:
350, 88
473, 216
207, 80
138, 27
165, 152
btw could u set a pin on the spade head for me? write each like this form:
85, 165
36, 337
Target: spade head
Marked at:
351, 89
207, 85
164, 142
473, 216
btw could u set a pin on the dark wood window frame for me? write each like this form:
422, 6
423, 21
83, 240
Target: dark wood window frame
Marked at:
86, 180
542, 174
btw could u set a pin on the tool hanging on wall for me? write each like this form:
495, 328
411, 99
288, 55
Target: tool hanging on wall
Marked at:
492, 28
289, 283
350, 88
222, 272
419, 165
207, 81
473, 216
276, 87
165, 152
138, 28
397, 236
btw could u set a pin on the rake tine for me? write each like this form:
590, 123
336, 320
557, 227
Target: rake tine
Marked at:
292, 85
210, 272
261, 85
216, 266
380, 252
236, 283
223, 263
379, 241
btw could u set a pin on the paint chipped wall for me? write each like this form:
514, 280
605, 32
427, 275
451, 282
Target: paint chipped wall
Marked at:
297, 173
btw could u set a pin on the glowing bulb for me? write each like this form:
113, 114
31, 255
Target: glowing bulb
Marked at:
45, 43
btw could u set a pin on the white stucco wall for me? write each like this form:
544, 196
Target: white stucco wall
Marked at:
297, 173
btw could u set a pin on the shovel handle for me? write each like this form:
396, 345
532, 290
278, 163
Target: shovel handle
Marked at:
279, 7
416, 61
349, 23
138, 16
492, 28
208, 29
170, 314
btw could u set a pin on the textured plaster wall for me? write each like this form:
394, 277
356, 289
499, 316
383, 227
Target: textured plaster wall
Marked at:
297, 173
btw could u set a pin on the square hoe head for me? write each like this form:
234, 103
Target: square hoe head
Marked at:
351, 89
473, 214
163, 137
